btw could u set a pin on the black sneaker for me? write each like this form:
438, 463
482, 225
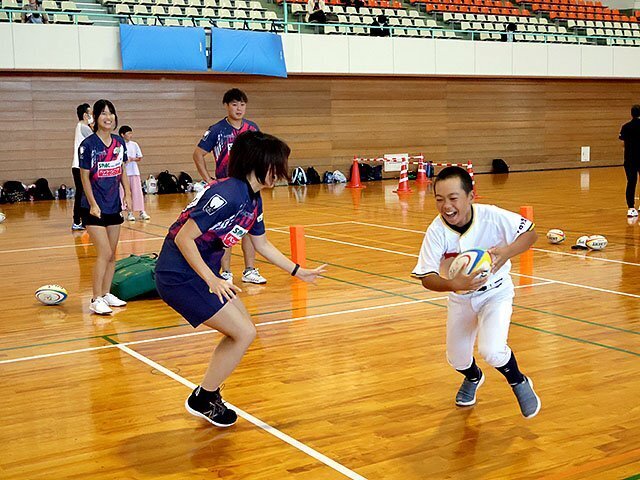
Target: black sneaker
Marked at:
213, 410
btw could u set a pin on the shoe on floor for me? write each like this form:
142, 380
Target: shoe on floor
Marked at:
130, 217
527, 399
76, 227
113, 301
466, 395
100, 306
252, 275
213, 410
632, 212
228, 276
144, 216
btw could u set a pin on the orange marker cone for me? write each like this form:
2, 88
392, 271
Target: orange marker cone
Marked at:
403, 183
354, 181
421, 178
298, 251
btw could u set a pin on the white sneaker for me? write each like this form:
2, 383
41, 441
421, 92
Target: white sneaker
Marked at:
113, 301
99, 306
252, 275
228, 276
144, 216
77, 227
130, 217
632, 212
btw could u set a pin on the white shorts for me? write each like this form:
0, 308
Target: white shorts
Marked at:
485, 315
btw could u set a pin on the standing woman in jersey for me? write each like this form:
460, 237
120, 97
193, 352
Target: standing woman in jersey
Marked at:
102, 157
188, 274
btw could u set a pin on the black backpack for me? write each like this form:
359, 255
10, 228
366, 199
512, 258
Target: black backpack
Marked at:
498, 165
41, 190
14, 191
313, 177
366, 172
62, 192
185, 182
167, 182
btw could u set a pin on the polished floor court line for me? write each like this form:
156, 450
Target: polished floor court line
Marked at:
250, 418
351, 244
352, 367
261, 324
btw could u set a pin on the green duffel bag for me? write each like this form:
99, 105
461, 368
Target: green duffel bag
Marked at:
135, 276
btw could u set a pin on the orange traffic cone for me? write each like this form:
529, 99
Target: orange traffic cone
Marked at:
354, 181
421, 178
403, 184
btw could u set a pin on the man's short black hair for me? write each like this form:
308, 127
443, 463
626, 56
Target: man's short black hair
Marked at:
124, 129
261, 153
82, 109
454, 172
234, 95
635, 111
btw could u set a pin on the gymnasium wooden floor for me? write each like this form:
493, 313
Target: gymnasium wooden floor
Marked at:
347, 378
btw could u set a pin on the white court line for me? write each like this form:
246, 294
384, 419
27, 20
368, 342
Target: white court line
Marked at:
251, 419
578, 285
54, 247
536, 249
262, 324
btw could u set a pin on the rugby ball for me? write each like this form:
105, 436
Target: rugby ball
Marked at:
51, 294
581, 243
471, 261
2, 217
555, 236
596, 242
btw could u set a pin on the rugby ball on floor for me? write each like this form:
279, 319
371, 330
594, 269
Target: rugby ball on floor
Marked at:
581, 243
2, 217
555, 236
470, 262
596, 242
51, 294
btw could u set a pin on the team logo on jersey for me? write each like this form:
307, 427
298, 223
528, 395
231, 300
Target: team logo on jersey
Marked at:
116, 151
234, 236
109, 169
214, 204
81, 150
205, 134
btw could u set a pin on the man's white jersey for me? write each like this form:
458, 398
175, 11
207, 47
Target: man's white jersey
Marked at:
490, 227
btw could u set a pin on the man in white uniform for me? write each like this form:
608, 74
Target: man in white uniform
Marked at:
484, 313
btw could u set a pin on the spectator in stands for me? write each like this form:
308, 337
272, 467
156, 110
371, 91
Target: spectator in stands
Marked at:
316, 11
31, 15
508, 35
630, 135
380, 27
83, 130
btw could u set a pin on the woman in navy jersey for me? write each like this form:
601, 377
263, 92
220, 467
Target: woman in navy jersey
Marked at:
188, 270
101, 158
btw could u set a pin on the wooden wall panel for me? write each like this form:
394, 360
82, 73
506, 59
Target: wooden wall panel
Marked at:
531, 123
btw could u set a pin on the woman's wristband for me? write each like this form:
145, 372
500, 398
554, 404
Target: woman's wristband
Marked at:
295, 270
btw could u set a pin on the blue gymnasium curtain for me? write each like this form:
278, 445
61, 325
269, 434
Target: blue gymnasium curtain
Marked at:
243, 51
163, 48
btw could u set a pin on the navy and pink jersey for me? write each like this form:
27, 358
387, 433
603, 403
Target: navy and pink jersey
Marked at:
219, 139
225, 211
105, 165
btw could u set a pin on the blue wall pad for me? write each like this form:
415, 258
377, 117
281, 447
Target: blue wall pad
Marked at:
243, 51
163, 48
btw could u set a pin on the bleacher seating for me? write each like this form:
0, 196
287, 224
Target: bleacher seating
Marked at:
558, 21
